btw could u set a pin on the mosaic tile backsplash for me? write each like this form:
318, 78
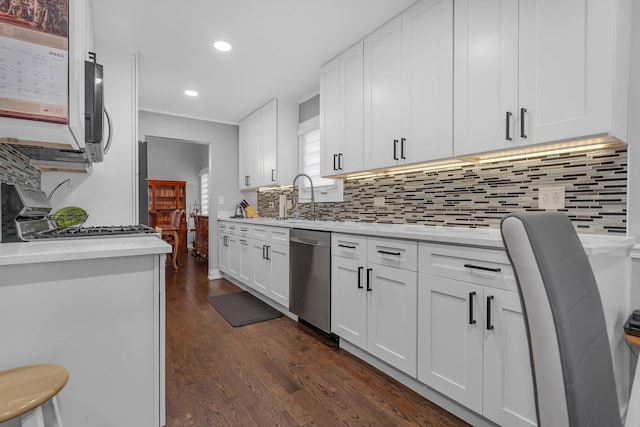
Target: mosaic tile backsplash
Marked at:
14, 167
479, 195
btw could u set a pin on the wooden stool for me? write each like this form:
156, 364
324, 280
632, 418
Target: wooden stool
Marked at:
30, 392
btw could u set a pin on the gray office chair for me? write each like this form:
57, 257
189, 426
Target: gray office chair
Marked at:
568, 344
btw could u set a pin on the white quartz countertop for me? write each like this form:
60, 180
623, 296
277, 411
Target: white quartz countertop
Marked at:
54, 250
594, 244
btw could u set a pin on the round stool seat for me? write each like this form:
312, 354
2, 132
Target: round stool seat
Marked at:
24, 389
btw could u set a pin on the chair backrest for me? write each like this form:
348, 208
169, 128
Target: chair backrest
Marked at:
176, 218
568, 344
153, 219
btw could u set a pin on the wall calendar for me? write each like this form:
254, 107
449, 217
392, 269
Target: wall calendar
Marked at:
34, 60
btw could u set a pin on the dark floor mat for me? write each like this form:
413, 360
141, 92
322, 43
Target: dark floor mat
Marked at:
242, 308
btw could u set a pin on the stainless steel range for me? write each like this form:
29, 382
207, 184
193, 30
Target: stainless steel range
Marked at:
25, 216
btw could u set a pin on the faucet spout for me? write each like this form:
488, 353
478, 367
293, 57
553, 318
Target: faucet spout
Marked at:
313, 201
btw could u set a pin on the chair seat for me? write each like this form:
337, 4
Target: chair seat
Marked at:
26, 388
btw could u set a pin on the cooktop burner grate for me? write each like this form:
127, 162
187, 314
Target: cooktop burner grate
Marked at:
94, 231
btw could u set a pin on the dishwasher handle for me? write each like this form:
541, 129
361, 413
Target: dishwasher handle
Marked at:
305, 241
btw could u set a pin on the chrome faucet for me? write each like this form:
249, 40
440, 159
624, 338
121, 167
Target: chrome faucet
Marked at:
313, 200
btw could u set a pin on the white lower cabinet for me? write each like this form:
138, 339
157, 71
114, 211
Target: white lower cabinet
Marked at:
392, 316
223, 249
279, 273
348, 301
233, 246
374, 306
246, 265
508, 394
270, 263
260, 267
472, 341
257, 256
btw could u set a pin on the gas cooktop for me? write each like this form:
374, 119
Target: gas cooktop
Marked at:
96, 231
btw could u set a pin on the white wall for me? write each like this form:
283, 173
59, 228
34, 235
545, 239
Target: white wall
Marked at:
177, 160
109, 194
223, 161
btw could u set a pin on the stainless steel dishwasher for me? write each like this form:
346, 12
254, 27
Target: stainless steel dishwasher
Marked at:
310, 277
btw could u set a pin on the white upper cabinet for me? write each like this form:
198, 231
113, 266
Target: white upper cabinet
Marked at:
532, 72
341, 117
268, 145
408, 67
427, 67
64, 136
249, 149
382, 95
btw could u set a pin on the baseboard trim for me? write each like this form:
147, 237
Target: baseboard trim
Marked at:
215, 274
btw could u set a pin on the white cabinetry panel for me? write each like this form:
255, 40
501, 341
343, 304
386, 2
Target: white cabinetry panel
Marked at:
531, 72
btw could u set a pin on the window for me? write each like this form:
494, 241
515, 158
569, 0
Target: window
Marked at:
326, 190
204, 191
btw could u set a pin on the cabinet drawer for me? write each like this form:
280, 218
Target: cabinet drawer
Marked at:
242, 230
394, 253
270, 234
260, 232
279, 235
222, 226
480, 266
349, 246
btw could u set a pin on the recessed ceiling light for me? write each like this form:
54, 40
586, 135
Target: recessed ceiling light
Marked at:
191, 93
222, 46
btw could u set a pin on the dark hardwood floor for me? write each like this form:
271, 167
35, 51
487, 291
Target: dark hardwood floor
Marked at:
271, 373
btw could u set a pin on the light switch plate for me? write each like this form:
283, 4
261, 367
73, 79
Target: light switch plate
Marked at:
378, 201
551, 198
221, 200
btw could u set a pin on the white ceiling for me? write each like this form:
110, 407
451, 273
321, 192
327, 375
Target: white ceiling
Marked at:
278, 48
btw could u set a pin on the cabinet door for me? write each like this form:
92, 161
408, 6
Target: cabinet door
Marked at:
485, 75
349, 300
269, 143
427, 67
329, 117
233, 246
382, 95
450, 338
246, 264
260, 267
392, 316
249, 150
279, 263
566, 68
224, 253
350, 148
508, 381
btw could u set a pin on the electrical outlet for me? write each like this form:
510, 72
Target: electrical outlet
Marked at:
221, 200
378, 201
551, 197
289, 204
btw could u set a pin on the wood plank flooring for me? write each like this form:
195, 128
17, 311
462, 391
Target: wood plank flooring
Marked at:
276, 372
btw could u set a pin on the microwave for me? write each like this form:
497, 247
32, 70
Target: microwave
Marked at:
95, 111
